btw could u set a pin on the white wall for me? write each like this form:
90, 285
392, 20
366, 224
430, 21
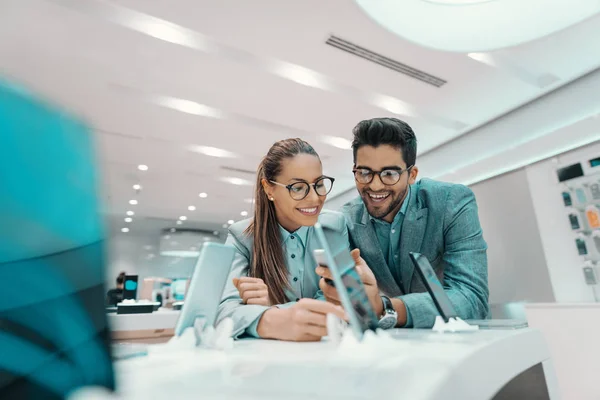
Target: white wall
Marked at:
516, 262
532, 255
564, 264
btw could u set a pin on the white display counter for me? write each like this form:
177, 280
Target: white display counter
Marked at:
421, 364
154, 327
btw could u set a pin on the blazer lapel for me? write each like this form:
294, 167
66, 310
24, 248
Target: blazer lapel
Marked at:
366, 239
411, 238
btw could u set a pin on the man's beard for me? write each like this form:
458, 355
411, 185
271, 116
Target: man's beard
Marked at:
377, 212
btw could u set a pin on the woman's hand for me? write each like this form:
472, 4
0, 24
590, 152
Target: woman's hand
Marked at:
252, 290
305, 321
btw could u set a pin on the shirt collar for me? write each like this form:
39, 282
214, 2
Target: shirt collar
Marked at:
300, 234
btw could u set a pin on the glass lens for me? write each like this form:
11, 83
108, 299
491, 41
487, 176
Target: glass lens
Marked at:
299, 190
389, 176
363, 175
323, 186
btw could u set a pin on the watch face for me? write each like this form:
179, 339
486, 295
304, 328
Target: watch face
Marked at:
387, 322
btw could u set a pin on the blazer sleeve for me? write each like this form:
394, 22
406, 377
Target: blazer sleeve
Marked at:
465, 258
244, 316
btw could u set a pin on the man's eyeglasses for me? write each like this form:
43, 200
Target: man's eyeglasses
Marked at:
388, 177
299, 190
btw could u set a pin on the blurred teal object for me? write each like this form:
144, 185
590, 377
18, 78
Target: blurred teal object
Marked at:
54, 335
47, 179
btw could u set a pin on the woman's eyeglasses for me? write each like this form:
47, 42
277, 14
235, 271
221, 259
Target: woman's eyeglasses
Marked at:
388, 177
299, 190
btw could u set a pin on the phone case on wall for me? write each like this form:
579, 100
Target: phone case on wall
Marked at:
592, 214
594, 189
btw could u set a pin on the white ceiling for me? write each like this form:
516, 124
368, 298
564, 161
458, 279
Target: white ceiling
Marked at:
108, 64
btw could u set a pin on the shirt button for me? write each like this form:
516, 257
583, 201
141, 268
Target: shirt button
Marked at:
295, 279
293, 256
297, 299
292, 237
396, 256
393, 231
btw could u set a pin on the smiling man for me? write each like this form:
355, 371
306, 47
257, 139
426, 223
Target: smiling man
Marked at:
396, 215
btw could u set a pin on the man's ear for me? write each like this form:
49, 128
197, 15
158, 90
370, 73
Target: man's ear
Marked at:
414, 171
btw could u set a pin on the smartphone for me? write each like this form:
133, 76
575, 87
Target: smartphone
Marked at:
321, 260
434, 286
335, 255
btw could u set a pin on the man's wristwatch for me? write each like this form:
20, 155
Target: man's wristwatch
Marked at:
389, 319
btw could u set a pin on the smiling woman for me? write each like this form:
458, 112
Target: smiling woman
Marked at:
274, 264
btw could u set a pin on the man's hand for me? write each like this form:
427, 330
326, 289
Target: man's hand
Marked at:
365, 274
305, 321
252, 290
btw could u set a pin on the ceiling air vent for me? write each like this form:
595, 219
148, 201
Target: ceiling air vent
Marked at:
384, 61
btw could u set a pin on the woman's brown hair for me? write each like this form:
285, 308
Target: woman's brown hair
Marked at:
268, 262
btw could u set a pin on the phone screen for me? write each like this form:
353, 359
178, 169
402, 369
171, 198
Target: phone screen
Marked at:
434, 286
574, 221
567, 199
354, 288
581, 247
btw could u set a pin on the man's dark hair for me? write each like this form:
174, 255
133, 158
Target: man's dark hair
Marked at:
391, 131
121, 278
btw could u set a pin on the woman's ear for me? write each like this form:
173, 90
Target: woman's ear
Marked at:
267, 188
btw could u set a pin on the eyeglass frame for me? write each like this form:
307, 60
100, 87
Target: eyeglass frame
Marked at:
378, 173
313, 185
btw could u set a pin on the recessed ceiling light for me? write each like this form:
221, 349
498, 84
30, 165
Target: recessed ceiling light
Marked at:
299, 74
192, 208
148, 247
230, 221
244, 213
392, 104
182, 218
179, 222
216, 233
212, 151
336, 141
236, 181
159, 28
133, 202
167, 237
143, 167
137, 187
203, 195
125, 230
173, 230
130, 213
485, 58
188, 107
249, 201
225, 225
128, 219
